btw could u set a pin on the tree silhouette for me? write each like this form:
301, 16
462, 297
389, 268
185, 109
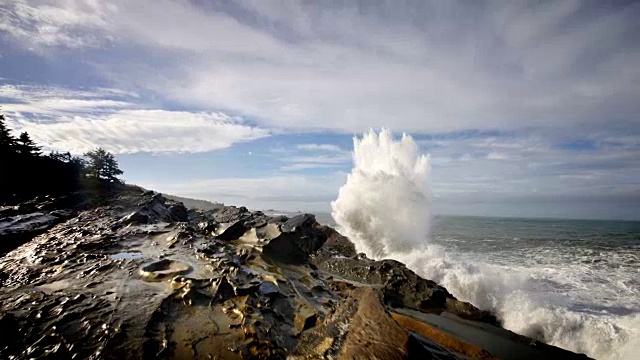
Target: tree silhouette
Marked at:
102, 165
25, 146
27, 174
7, 142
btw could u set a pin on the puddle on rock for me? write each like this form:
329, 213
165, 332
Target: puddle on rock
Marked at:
127, 255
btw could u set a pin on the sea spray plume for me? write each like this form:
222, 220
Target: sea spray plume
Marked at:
384, 207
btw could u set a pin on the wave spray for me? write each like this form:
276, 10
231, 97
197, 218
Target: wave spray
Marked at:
386, 196
385, 209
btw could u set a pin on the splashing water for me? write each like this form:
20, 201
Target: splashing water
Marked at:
385, 209
386, 196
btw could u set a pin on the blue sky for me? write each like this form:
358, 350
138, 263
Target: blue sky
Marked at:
526, 108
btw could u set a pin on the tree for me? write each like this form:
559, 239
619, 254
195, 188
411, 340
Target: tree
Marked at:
7, 142
26, 146
102, 165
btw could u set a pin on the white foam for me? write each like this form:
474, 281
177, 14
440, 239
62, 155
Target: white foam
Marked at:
384, 208
386, 196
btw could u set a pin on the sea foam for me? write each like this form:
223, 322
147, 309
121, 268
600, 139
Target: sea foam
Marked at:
385, 209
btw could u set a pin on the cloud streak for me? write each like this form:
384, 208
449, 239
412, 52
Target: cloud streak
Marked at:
431, 67
77, 121
132, 131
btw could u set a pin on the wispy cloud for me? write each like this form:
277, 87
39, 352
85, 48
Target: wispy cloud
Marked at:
430, 67
69, 24
132, 131
318, 147
513, 100
50, 100
79, 120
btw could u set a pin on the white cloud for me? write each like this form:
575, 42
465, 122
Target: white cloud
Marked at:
49, 100
318, 147
430, 67
131, 131
80, 120
58, 23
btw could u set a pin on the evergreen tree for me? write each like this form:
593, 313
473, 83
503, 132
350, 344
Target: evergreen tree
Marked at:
7, 142
26, 146
102, 165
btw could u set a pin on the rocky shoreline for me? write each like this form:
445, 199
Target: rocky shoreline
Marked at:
140, 276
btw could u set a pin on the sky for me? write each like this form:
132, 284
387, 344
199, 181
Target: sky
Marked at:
525, 108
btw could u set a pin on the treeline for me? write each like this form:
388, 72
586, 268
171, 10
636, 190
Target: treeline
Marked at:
26, 173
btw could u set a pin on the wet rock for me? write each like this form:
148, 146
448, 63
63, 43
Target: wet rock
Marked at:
402, 287
178, 212
163, 269
297, 241
208, 226
136, 217
18, 229
228, 214
442, 339
303, 220
157, 209
266, 287
232, 231
373, 334
336, 244
223, 290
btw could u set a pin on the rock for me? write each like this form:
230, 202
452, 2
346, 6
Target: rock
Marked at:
158, 209
268, 288
441, 338
373, 334
178, 212
228, 214
16, 230
300, 237
304, 220
401, 286
208, 226
293, 247
231, 231
336, 244
164, 269
290, 288
136, 218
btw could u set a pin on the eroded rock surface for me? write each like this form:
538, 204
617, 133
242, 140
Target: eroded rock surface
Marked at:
140, 276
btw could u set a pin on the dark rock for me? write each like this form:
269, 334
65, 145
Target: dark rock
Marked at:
19, 229
223, 289
208, 226
268, 288
373, 334
304, 220
76, 294
232, 231
228, 214
158, 209
136, 218
178, 212
401, 286
294, 247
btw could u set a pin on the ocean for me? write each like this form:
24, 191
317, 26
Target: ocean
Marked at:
570, 283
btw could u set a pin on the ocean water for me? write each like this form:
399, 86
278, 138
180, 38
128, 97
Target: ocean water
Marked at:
573, 284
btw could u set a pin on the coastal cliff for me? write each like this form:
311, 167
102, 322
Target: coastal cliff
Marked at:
136, 275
